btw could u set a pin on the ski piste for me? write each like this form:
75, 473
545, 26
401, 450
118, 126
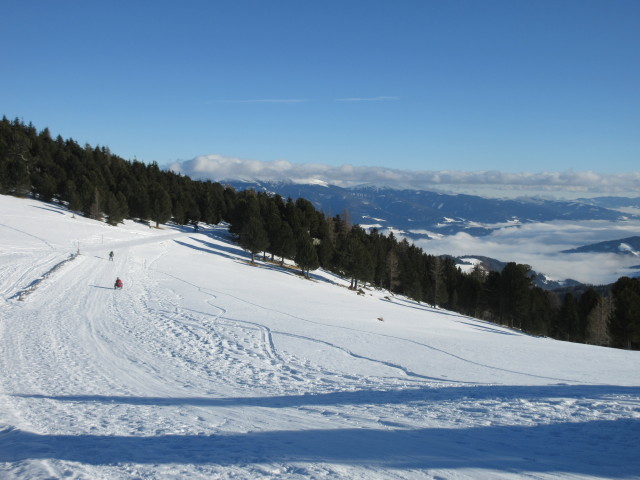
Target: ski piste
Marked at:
204, 366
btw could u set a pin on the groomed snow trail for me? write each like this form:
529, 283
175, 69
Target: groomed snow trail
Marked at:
204, 366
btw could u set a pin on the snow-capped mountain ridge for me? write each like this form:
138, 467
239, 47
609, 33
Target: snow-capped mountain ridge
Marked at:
623, 246
410, 211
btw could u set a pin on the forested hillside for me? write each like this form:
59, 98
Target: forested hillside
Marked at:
95, 182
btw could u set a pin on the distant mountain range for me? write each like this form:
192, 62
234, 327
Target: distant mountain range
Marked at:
612, 202
624, 246
420, 214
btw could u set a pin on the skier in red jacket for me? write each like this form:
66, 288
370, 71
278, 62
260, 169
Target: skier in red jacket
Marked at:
118, 283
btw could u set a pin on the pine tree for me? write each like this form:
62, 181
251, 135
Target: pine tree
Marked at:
71, 196
306, 257
253, 237
624, 326
392, 270
273, 226
358, 263
286, 243
14, 176
44, 186
598, 322
515, 283
470, 291
436, 274
15, 159
566, 327
116, 208
588, 302
160, 204
324, 246
95, 210
540, 314
192, 211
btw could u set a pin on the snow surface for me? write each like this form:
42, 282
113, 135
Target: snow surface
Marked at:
469, 264
204, 366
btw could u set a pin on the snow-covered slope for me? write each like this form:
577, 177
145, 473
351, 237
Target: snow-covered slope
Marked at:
204, 366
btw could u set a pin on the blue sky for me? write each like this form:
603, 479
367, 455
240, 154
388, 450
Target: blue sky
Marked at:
462, 85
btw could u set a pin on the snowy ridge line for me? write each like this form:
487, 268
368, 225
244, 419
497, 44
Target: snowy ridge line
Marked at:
33, 285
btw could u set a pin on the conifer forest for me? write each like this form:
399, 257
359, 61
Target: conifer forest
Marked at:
96, 183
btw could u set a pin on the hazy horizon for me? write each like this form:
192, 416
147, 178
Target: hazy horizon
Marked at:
566, 185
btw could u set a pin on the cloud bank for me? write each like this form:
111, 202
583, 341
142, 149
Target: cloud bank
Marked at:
541, 244
492, 183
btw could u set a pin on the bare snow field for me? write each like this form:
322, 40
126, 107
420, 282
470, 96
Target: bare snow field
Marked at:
206, 367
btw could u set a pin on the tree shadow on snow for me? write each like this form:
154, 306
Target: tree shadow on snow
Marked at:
239, 254
177, 227
53, 208
220, 250
486, 326
596, 448
407, 303
426, 395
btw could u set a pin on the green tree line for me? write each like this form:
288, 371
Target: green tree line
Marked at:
98, 184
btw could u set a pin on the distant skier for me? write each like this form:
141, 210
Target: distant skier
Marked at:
111, 256
118, 284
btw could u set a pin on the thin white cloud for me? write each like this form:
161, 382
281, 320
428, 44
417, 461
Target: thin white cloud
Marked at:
367, 99
304, 100
269, 100
490, 183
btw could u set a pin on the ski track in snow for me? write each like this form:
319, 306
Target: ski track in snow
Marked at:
345, 350
197, 370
